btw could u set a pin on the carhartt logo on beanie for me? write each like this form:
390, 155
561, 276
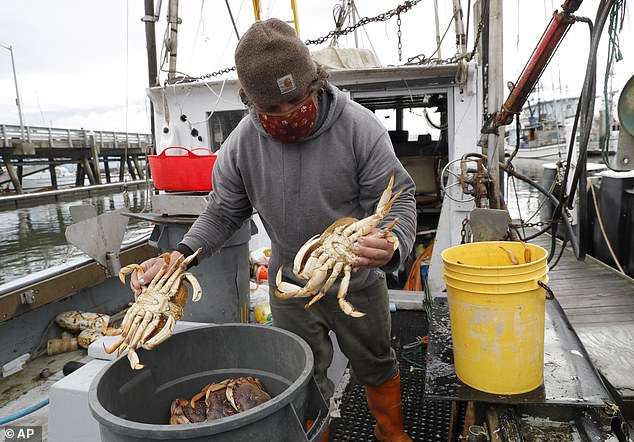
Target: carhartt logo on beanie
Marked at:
273, 64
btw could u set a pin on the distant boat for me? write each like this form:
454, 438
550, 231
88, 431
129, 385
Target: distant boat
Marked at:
546, 128
543, 140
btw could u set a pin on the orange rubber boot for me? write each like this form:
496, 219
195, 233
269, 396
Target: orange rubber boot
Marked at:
386, 407
324, 436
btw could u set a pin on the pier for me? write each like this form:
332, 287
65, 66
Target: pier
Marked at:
27, 150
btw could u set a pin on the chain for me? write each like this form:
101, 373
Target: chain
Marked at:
477, 39
364, 21
537, 224
463, 231
220, 72
399, 34
406, 6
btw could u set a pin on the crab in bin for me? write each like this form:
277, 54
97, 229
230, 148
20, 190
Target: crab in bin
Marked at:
221, 399
325, 258
150, 321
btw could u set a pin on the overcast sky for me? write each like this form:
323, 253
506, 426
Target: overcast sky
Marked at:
83, 63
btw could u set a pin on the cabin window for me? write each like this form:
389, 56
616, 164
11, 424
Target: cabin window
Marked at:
221, 124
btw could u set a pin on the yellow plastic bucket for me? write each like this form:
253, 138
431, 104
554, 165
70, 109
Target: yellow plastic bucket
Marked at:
496, 311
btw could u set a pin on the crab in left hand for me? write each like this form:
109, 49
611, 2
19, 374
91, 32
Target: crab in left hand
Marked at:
150, 321
326, 257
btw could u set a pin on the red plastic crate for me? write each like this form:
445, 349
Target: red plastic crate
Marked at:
189, 172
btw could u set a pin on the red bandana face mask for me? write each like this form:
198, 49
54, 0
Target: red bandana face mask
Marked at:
292, 126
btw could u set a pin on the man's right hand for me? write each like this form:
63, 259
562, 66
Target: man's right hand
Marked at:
150, 268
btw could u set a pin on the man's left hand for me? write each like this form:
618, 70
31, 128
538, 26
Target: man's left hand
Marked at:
373, 251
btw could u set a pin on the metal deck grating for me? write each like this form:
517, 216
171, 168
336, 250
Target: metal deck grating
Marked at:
424, 420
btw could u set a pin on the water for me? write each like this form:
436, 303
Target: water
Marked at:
523, 200
32, 239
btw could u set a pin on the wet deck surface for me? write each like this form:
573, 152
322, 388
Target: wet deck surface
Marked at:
599, 303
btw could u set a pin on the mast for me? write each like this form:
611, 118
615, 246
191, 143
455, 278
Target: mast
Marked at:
18, 102
150, 19
495, 80
437, 29
172, 13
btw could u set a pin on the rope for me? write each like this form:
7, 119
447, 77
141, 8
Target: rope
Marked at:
600, 218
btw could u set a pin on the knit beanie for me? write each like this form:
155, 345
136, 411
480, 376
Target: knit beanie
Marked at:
273, 64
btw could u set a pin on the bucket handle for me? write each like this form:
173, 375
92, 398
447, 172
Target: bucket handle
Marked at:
190, 152
549, 292
316, 403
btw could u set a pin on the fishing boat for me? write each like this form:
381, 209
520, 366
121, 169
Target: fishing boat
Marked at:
586, 389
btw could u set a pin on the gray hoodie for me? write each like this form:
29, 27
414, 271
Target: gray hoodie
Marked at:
339, 170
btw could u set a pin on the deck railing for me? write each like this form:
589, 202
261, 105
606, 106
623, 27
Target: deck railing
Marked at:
58, 137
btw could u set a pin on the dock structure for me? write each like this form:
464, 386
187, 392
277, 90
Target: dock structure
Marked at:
26, 150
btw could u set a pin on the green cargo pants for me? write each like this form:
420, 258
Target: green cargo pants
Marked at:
364, 341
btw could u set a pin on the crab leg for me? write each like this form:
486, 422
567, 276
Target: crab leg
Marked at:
196, 289
151, 327
128, 321
162, 335
299, 257
312, 263
161, 272
168, 276
336, 270
345, 305
114, 346
129, 269
287, 290
141, 329
134, 360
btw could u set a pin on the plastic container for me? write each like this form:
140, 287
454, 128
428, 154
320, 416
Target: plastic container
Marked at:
189, 173
497, 310
133, 405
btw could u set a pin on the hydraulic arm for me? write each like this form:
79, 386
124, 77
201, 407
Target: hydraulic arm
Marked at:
555, 32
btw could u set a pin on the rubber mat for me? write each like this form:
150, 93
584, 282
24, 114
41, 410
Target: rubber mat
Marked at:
424, 420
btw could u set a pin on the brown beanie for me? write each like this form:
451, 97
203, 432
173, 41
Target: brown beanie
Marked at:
273, 64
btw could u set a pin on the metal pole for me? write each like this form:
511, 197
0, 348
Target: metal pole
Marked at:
257, 9
295, 16
17, 91
437, 30
173, 21
461, 36
495, 150
353, 10
150, 45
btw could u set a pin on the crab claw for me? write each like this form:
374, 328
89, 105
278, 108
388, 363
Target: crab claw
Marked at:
134, 360
125, 271
196, 289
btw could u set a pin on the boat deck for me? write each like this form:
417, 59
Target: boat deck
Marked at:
599, 303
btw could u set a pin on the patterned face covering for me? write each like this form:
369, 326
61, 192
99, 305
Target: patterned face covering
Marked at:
291, 126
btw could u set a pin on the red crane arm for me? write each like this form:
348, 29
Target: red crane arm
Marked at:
555, 32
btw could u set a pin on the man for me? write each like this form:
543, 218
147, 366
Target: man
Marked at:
305, 156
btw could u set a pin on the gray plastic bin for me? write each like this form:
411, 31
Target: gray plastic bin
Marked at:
133, 405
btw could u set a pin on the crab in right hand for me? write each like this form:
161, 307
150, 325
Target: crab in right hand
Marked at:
326, 257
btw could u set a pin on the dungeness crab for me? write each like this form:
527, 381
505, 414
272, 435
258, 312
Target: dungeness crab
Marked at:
222, 399
324, 258
150, 321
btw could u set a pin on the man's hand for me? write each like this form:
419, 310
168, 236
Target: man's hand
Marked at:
150, 268
373, 251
